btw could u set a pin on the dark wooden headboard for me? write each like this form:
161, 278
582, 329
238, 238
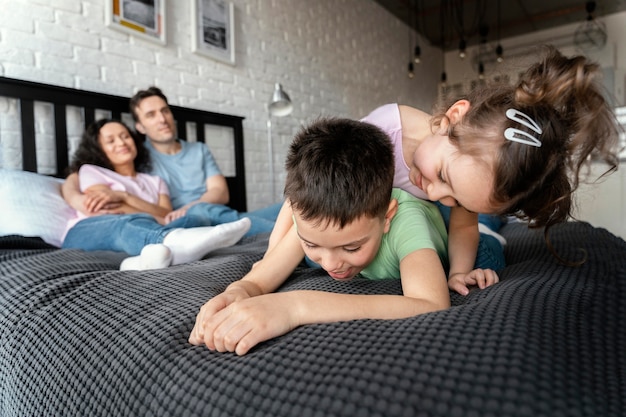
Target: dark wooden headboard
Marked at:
27, 93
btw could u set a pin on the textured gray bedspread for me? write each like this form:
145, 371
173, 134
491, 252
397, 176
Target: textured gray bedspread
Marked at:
80, 338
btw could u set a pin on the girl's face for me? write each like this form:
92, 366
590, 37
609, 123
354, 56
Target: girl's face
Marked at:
117, 144
342, 252
449, 177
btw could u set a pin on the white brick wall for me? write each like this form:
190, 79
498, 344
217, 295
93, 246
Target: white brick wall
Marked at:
333, 57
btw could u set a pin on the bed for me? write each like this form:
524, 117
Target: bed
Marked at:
81, 338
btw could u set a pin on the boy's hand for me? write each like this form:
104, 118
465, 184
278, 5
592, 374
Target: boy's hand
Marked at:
215, 304
483, 278
240, 325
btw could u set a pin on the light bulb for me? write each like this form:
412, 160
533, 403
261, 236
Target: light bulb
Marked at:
462, 46
499, 52
417, 54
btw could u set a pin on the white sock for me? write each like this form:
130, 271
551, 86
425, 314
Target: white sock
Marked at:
155, 256
190, 245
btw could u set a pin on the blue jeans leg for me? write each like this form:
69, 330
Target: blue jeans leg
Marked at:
268, 213
490, 254
121, 232
215, 214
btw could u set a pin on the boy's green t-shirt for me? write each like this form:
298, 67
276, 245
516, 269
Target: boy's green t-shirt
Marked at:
417, 225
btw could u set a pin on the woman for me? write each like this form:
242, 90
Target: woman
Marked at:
109, 162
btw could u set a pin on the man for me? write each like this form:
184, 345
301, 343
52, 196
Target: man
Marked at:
189, 169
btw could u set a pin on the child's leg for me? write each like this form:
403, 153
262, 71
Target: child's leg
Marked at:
490, 253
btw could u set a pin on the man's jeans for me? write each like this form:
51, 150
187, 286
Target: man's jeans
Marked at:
262, 220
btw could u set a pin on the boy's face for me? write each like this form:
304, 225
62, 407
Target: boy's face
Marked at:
343, 253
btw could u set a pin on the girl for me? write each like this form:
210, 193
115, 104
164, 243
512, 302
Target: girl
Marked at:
109, 161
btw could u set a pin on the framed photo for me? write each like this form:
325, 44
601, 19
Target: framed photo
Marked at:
213, 29
144, 18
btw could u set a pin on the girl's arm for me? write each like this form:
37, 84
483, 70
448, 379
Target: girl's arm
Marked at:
463, 237
462, 240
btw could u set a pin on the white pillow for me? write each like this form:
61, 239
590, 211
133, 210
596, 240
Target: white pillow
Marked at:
32, 205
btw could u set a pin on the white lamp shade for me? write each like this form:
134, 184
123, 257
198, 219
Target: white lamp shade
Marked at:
280, 104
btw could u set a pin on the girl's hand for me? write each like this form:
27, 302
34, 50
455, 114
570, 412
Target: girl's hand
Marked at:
483, 278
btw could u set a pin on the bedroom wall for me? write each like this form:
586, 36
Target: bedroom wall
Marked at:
333, 57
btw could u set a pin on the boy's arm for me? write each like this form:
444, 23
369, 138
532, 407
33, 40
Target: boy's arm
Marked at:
463, 237
283, 223
243, 324
266, 276
424, 290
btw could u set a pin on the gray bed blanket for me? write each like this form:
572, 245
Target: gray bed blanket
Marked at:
80, 338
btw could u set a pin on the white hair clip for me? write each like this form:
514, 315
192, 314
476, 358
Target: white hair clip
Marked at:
519, 136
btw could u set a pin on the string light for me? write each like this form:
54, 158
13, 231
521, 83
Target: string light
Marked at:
499, 49
499, 52
417, 54
444, 76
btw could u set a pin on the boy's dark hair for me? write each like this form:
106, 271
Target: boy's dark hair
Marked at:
140, 96
89, 150
339, 170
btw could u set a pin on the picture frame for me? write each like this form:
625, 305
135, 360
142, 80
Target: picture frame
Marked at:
142, 18
213, 29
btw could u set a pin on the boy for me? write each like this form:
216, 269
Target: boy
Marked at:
347, 219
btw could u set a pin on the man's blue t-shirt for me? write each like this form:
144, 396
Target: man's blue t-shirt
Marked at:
185, 172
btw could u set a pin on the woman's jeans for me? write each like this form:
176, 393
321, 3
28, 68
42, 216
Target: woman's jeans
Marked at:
123, 232
262, 220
